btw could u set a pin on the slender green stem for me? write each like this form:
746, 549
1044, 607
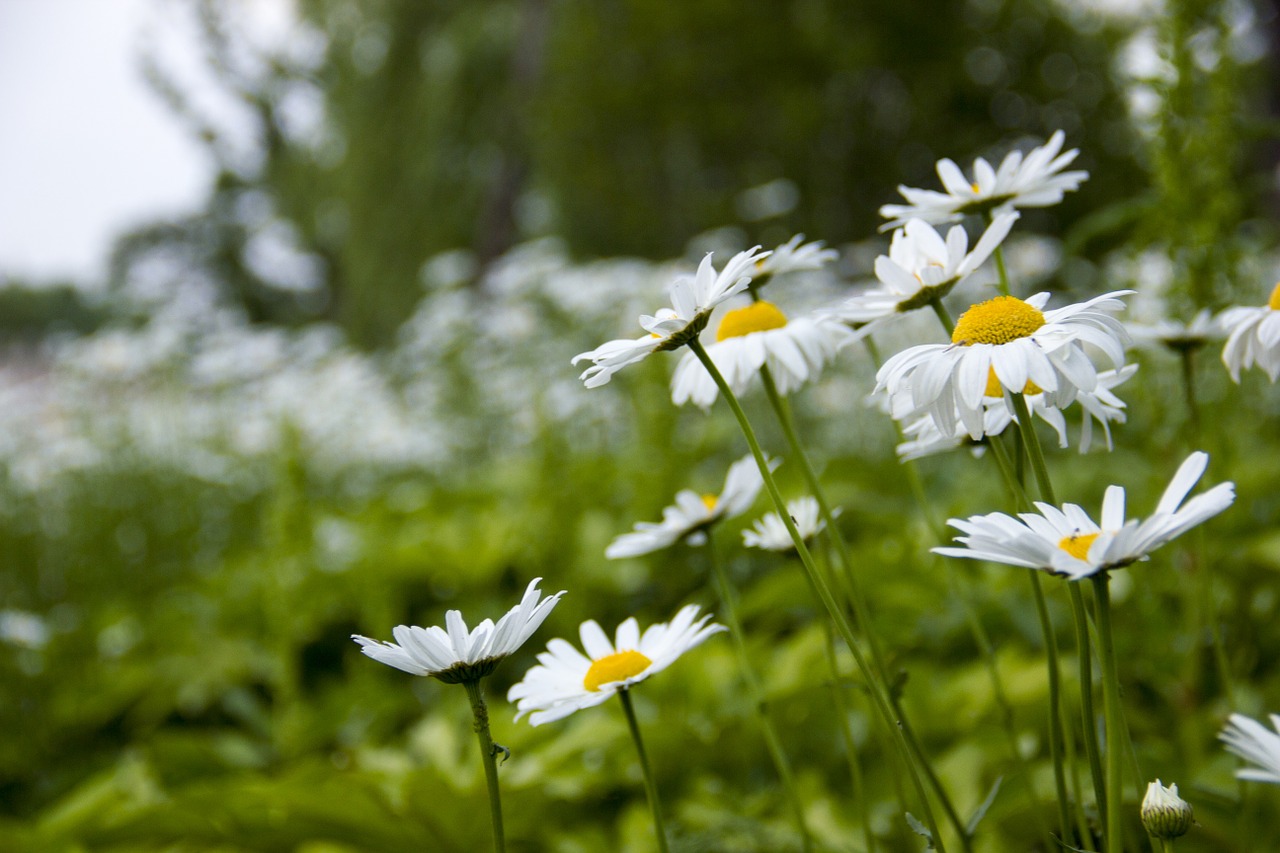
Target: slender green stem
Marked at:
825, 595
489, 756
1114, 715
1188, 355
1027, 428
856, 780
1055, 702
650, 787
1081, 621
861, 611
999, 256
729, 609
943, 317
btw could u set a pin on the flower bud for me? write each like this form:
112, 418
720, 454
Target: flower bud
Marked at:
1164, 814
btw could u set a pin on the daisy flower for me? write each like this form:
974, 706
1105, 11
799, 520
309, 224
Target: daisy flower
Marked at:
1254, 337
1177, 335
1034, 181
565, 680
692, 514
1020, 344
453, 654
1067, 542
1165, 815
1256, 744
921, 266
693, 298
770, 532
791, 256
751, 337
925, 439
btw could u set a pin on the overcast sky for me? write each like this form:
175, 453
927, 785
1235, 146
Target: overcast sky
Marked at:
86, 150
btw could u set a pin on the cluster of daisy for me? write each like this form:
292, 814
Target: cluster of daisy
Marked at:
1007, 362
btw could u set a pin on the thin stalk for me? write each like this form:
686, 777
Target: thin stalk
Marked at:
999, 256
1188, 355
1114, 715
489, 757
650, 788
1032, 441
729, 609
856, 780
1081, 621
860, 609
1055, 702
819, 582
941, 312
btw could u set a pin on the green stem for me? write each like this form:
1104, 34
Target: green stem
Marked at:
860, 609
819, 582
1112, 710
856, 780
1055, 702
943, 317
1027, 428
1081, 621
756, 692
1189, 390
489, 757
650, 788
999, 256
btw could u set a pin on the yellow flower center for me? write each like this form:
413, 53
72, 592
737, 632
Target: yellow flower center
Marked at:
1274, 302
997, 321
615, 667
995, 389
1077, 544
756, 317
709, 501
974, 186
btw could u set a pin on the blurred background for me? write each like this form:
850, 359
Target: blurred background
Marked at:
288, 292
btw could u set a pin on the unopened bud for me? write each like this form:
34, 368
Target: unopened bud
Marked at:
1165, 814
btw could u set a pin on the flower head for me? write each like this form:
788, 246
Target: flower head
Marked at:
1026, 349
791, 256
1165, 815
1256, 744
565, 680
921, 266
1067, 542
1034, 181
454, 654
755, 336
693, 298
1176, 335
1253, 337
770, 532
692, 514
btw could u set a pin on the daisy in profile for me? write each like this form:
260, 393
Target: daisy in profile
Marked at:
755, 336
1034, 181
792, 256
1253, 337
921, 266
693, 298
565, 680
1256, 744
692, 514
770, 532
458, 656
1101, 405
1176, 335
1067, 542
453, 654
1023, 346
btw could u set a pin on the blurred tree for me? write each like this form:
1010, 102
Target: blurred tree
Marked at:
388, 131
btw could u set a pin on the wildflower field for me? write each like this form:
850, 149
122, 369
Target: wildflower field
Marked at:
961, 532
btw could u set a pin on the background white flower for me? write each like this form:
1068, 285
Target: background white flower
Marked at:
791, 256
454, 654
565, 680
692, 513
770, 532
1256, 744
1036, 181
1067, 542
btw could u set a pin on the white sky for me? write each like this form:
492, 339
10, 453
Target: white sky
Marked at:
86, 150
